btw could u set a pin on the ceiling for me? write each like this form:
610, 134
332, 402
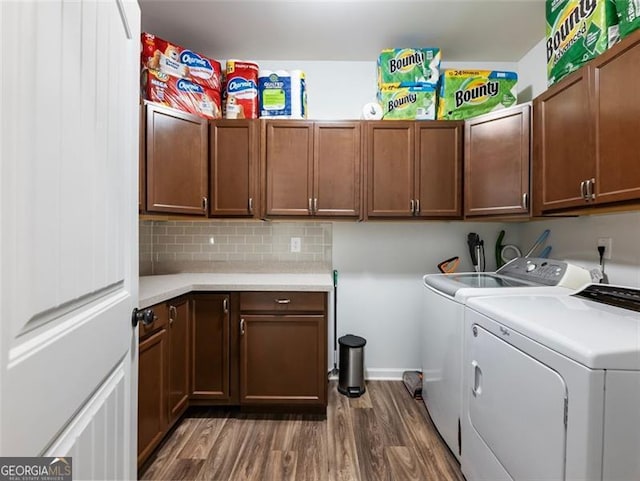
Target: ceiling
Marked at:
471, 30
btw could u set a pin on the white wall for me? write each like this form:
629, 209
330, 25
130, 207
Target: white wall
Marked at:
338, 90
532, 73
575, 240
380, 267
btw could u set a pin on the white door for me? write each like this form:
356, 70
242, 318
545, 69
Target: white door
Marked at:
68, 233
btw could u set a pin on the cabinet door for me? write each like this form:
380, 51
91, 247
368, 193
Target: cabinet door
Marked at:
563, 146
336, 168
233, 167
210, 347
179, 324
496, 161
152, 399
288, 151
176, 161
438, 181
283, 359
390, 168
617, 122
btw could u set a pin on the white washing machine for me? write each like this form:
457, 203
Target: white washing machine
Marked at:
552, 387
442, 327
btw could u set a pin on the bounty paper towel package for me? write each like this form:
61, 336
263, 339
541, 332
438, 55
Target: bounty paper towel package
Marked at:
628, 16
468, 93
408, 103
577, 31
404, 67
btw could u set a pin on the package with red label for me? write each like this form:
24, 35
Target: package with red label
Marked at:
174, 60
241, 91
180, 94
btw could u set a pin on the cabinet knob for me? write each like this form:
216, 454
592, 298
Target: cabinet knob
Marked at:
242, 327
591, 195
283, 301
205, 204
315, 205
525, 201
417, 211
310, 205
225, 305
412, 206
250, 205
583, 190
173, 313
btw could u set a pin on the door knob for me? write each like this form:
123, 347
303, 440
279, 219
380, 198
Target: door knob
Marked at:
146, 316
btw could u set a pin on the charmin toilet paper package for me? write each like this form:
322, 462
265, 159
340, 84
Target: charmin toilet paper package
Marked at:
171, 59
577, 31
180, 93
241, 90
628, 16
468, 93
282, 94
408, 103
406, 67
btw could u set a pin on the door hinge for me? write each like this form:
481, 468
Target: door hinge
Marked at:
566, 411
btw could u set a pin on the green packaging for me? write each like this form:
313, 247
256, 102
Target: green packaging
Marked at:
577, 31
406, 67
469, 93
417, 102
628, 16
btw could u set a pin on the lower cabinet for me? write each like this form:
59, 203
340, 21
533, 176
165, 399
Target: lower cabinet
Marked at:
253, 349
153, 356
211, 349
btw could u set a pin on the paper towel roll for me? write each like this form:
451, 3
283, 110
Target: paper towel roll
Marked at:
372, 111
298, 95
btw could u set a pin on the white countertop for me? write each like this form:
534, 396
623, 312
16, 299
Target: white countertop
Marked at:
155, 289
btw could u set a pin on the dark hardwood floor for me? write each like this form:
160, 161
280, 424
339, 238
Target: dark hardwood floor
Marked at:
383, 435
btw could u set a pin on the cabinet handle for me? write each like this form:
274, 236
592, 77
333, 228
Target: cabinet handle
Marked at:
525, 201
315, 205
417, 211
250, 205
283, 301
225, 305
412, 206
242, 327
583, 190
173, 313
205, 204
591, 195
310, 206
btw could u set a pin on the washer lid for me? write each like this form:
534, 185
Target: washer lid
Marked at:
451, 283
596, 335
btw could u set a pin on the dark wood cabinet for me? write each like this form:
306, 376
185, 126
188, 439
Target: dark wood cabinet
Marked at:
211, 341
414, 169
497, 163
336, 169
176, 161
438, 178
288, 167
283, 349
233, 167
586, 139
153, 355
179, 356
312, 168
563, 149
616, 107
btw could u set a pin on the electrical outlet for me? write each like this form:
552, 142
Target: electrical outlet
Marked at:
607, 242
296, 244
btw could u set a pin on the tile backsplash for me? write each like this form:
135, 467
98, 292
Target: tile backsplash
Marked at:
179, 246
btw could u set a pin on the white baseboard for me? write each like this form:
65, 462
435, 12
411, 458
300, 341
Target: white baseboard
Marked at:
380, 374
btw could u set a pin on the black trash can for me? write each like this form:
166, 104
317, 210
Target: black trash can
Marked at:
351, 377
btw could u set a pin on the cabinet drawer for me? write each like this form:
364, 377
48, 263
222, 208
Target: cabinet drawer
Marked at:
282, 301
160, 320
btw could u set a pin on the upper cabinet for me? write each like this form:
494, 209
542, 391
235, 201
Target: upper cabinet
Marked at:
413, 169
176, 161
496, 163
586, 140
311, 168
233, 168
